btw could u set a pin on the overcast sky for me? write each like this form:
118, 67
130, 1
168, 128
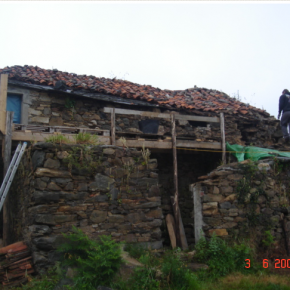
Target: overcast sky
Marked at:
235, 47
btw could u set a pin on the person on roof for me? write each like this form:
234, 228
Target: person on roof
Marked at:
284, 105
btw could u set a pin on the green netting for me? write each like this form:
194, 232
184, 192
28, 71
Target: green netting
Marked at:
253, 153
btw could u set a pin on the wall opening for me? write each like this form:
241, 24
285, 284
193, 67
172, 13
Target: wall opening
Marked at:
191, 165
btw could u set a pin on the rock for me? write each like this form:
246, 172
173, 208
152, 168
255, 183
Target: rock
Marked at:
38, 258
62, 154
69, 186
98, 216
216, 190
53, 186
114, 192
51, 173
156, 213
212, 197
43, 197
264, 166
231, 197
225, 205
128, 161
136, 217
37, 159
228, 225
209, 205
39, 184
56, 121
46, 219
39, 230
116, 172
218, 232
102, 183
148, 204
116, 218
210, 212
109, 151
48, 243
61, 181
64, 218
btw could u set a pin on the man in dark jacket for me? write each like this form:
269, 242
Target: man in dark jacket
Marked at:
284, 105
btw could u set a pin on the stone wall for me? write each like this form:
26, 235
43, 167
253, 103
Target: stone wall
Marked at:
58, 109
243, 198
104, 190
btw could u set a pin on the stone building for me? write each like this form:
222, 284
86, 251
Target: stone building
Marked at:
122, 114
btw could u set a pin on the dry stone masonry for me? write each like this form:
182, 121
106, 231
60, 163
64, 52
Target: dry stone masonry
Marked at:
104, 190
243, 198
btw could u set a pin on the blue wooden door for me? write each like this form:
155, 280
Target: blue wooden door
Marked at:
14, 104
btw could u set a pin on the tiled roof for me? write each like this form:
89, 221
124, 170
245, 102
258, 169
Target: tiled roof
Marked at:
194, 99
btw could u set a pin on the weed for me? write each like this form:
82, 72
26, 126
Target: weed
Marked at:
86, 138
57, 139
97, 262
268, 240
146, 155
124, 142
220, 257
135, 250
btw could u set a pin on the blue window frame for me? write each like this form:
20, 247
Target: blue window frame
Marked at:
14, 104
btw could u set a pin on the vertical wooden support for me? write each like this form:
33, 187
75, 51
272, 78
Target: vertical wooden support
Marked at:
223, 137
113, 127
3, 101
197, 206
175, 180
6, 154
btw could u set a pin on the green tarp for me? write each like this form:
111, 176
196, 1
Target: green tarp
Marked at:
254, 153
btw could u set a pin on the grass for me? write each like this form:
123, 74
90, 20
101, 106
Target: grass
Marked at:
57, 139
162, 271
80, 138
238, 281
86, 138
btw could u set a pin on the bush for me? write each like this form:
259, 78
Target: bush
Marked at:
97, 262
135, 250
176, 275
221, 258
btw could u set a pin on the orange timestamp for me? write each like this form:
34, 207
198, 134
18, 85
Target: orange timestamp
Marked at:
279, 263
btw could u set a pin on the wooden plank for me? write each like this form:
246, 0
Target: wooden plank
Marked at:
171, 230
183, 241
163, 115
113, 127
6, 155
38, 137
175, 180
106, 140
168, 144
3, 101
223, 137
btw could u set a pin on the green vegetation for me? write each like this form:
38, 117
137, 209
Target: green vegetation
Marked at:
80, 138
86, 138
57, 139
98, 262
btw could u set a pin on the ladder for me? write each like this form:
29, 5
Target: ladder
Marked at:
11, 172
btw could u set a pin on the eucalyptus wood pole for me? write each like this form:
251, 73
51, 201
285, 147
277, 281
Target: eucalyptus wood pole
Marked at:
6, 155
175, 180
223, 137
3, 101
113, 127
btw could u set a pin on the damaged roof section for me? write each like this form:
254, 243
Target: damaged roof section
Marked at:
195, 100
